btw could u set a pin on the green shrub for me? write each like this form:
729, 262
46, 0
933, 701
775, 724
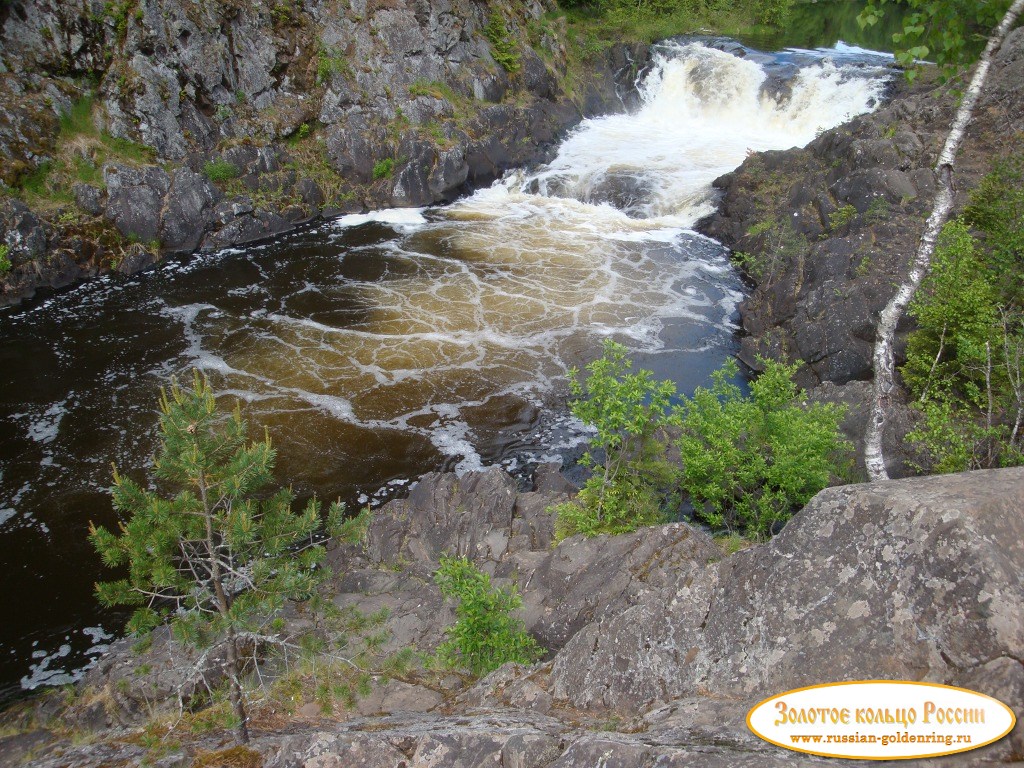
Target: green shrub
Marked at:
5, 259
631, 484
383, 169
750, 462
220, 170
485, 634
329, 62
964, 360
841, 217
503, 46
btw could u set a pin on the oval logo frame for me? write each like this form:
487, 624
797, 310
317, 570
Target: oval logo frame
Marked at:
881, 720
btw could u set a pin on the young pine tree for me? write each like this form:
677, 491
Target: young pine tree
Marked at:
216, 559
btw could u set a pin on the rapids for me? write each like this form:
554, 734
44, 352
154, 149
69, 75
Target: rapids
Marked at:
379, 346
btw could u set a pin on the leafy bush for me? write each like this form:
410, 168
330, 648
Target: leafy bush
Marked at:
5, 259
383, 169
750, 462
964, 361
632, 484
220, 170
485, 635
503, 46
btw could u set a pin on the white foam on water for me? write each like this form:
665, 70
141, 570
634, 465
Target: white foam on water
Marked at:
497, 295
404, 219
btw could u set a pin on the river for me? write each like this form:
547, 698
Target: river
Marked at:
380, 346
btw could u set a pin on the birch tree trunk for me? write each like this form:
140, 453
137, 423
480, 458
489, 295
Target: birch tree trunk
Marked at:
885, 383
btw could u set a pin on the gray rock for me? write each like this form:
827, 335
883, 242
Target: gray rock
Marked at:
135, 199
446, 515
88, 198
188, 212
310, 193
939, 598
136, 258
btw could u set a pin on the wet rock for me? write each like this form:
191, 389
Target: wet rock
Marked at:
245, 227
136, 259
135, 199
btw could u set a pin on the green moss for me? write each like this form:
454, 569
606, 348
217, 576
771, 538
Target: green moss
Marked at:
5, 259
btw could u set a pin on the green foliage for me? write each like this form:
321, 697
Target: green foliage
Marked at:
215, 556
353, 530
5, 259
950, 32
750, 462
650, 20
331, 61
503, 46
287, 12
631, 484
996, 212
383, 169
842, 217
964, 361
220, 170
485, 634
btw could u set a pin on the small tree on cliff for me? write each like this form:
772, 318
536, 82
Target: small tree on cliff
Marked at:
211, 559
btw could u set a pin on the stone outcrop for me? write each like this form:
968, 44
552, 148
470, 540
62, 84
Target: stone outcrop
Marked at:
302, 108
657, 644
827, 230
907, 580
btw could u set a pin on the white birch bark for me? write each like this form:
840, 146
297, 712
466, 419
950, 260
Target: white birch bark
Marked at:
885, 383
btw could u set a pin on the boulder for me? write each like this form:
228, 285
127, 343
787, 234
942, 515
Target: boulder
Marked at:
912, 579
188, 211
135, 199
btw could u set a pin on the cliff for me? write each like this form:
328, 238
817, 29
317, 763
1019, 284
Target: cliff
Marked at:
133, 130
658, 643
823, 233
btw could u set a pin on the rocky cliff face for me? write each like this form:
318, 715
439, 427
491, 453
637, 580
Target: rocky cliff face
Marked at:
261, 115
824, 232
657, 643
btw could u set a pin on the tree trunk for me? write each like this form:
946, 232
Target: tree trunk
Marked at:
885, 383
237, 697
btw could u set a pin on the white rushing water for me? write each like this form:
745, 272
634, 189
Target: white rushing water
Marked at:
495, 296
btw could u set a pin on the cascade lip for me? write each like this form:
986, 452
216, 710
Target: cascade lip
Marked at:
881, 719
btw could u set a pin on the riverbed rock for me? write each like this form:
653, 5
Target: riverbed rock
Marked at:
910, 579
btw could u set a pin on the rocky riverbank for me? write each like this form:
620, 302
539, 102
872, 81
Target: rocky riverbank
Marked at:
825, 232
657, 642
130, 131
